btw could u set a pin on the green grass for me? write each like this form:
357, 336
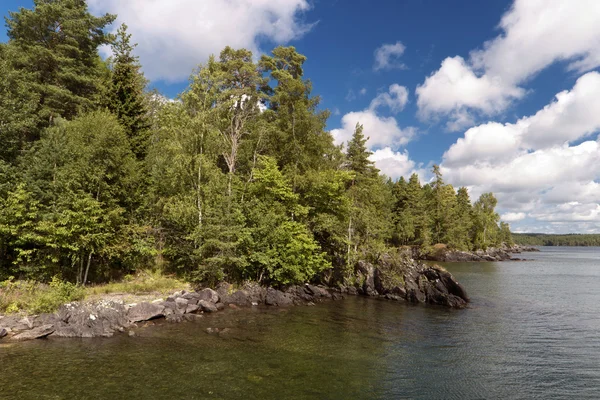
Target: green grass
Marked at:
143, 282
35, 298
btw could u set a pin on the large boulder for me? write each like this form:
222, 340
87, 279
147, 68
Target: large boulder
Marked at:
98, 319
35, 333
278, 298
145, 312
208, 295
207, 306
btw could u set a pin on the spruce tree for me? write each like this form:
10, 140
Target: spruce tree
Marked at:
127, 98
57, 50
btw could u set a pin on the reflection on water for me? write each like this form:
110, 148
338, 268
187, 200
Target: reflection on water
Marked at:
532, 331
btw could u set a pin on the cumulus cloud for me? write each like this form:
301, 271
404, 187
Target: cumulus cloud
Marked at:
393, 163
381, 131
512, 217
545, 165
174, 36
387, 56
535, 34
455, 88
396, 98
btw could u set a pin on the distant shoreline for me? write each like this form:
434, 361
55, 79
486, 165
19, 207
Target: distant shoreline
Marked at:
552, 240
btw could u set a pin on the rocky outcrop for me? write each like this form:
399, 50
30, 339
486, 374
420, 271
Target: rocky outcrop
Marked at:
402, 278
504, 253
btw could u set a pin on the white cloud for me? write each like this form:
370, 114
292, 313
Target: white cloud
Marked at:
455, 87
538, 165
393, 163
512, 217
387, 56
395, 99
174, 36
572, 116
363, 91
381, 131
535, 34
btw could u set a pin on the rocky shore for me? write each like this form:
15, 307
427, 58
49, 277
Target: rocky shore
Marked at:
504, 253
392, 279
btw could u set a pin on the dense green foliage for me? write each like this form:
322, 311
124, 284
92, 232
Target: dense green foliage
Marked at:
238, 179
542, 239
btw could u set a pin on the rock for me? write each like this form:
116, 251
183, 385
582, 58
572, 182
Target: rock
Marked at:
191, 297
208, 295
239, 298
99, 319
171, 307
175, 318
317, 291
365, 276
131, 333
3, 332
223, 290
191, 308
145, 311
207, 306
220, 306
278, 298
192, 317
181, 304
300, 294
35, 333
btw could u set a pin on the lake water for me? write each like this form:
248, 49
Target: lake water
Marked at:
532, 332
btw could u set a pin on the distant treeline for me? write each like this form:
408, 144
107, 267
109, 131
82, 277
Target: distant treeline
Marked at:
541, 239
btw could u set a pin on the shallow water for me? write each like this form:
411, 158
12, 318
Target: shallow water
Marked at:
532, 331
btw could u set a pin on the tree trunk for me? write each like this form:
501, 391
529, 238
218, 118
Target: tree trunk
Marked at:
87, 268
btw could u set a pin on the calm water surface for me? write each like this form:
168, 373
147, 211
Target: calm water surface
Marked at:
532, 332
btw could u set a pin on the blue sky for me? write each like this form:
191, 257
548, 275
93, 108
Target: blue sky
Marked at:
471, 85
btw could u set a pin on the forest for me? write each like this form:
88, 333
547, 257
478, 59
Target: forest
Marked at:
542, 239
237, 179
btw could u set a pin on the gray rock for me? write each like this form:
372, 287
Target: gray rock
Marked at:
208, 295
145, 311
191, 297
192, 308
207, 306
99, 319
317, 291
278, 298
3, 332
35, 333
175, 318
181, 303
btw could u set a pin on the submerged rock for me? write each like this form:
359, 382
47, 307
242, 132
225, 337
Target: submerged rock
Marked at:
35, 333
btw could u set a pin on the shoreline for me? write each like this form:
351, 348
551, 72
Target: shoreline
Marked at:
492, 254
407, 280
